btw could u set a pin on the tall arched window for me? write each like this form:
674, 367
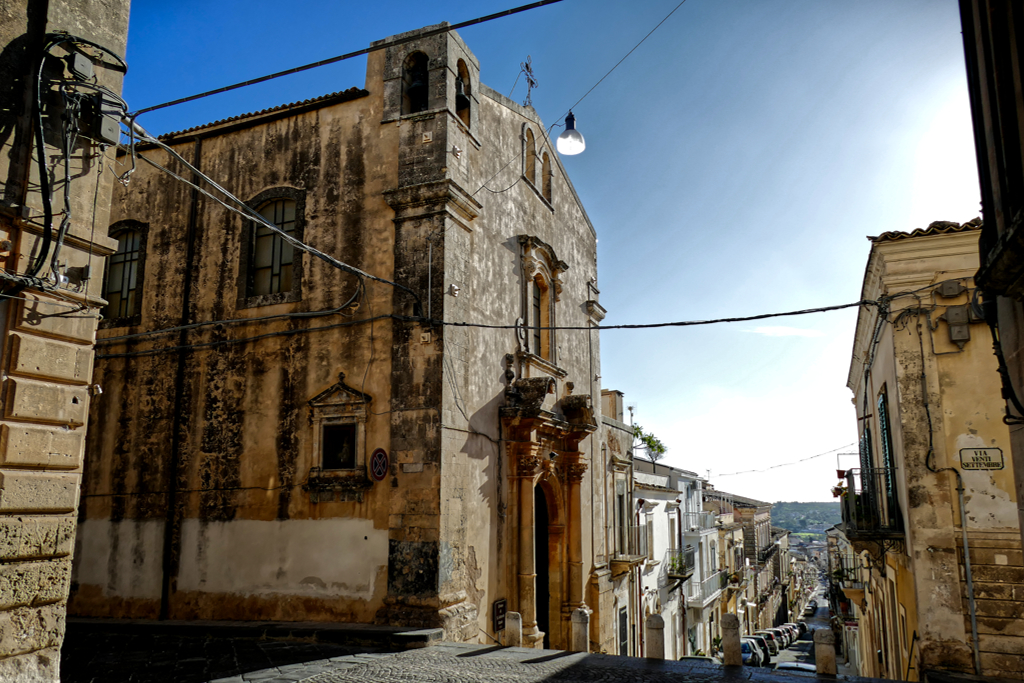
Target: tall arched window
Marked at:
545, 176
541, 318
271, 256
415, 83
270, 269
530, 158
463, 91
123, 285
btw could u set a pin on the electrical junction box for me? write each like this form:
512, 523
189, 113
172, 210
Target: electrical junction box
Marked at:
951, 288
80, 66
958, 319
956, 315
101, 119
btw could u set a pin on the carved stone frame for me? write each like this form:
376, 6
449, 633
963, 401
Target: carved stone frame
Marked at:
338, 404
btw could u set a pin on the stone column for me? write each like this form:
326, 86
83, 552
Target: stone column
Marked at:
825, 651
513, 635
527, 560
574, 531
731, 653
579, 636
655, 636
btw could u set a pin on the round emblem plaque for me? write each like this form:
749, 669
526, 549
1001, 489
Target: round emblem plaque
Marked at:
379, 464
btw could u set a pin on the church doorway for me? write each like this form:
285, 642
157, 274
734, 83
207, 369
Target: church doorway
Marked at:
542, 548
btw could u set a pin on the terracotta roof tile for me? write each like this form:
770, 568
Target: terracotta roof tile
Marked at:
330, 98
936, 228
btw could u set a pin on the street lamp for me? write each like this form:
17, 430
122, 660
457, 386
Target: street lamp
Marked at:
570, 142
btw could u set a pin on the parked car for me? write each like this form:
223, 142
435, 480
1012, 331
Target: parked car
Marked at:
782, 636
762, 644
773, 643
750, 653
697, 659
797, 667
802, 625
795, 629
810, 610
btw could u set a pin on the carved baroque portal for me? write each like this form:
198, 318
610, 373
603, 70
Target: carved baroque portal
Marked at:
545, 457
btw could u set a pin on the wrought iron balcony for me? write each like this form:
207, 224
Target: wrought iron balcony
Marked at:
846, 571
703, 592
870, 507
681, 562
765, 553
696, 522
631, 547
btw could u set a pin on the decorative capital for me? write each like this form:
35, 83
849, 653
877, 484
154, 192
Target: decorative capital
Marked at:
574, 472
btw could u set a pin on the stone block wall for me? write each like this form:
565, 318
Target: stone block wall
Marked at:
47, 352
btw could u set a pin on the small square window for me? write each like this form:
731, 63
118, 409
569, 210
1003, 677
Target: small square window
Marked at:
338, 447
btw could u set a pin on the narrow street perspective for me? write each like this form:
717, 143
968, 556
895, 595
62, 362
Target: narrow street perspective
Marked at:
461, 341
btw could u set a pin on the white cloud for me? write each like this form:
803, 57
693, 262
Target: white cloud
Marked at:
783, 331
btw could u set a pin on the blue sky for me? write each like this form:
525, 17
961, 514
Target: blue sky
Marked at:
735, 163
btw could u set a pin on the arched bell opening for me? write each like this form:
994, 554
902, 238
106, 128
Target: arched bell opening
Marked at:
415, 83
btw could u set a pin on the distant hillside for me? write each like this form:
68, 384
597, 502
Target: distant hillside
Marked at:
805, 518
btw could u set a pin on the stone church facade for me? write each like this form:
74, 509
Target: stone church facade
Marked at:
279, 439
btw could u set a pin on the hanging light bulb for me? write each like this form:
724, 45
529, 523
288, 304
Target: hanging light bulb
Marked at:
570, 142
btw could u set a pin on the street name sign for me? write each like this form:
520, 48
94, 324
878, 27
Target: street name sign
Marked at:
981, 459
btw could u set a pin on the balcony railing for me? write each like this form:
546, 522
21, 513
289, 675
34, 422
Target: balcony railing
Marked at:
846, 571
632, 541
694, 522
870, 508
765, 553
701, 593
681, 562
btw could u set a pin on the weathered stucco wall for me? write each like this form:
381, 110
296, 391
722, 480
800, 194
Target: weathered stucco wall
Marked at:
925, 590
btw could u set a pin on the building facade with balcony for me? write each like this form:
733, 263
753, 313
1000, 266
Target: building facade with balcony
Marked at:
691, 534
670, 563
737, 593
614, 588
847, 579
930, 515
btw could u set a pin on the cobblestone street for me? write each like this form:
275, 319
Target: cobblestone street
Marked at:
95, 656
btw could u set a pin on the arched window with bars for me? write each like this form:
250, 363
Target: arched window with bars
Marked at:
122, 286
271, 266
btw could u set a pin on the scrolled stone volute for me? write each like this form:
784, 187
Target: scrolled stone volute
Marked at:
530, 392
578, 408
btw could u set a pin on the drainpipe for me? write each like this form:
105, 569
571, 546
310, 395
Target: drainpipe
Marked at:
967, 571
169, 561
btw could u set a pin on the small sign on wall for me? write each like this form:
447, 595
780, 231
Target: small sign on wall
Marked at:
379, 464
498, 615
981, 459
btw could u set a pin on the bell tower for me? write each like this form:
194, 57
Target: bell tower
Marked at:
429, 107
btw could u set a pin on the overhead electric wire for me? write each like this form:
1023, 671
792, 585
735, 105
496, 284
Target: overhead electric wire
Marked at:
547, 133
787, 464
439, 323
350, 55
627, 55
251, 214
